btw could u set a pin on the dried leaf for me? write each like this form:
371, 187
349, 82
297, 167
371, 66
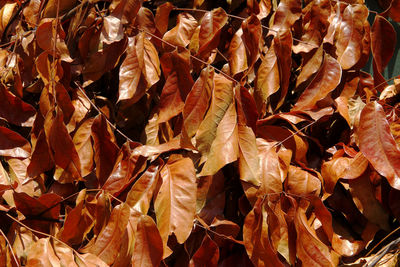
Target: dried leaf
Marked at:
377, 143
148, 243
175, 203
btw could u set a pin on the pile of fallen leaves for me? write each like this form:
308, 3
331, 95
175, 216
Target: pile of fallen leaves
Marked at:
205, 133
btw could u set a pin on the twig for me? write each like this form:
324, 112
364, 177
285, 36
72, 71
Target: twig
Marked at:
11, 249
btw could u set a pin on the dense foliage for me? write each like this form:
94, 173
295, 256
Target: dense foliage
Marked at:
200, 133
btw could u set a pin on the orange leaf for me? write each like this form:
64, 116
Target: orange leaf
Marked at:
108, 242
175, 203
225, 147
141, 193
181, 34
148, 249
309, 249
326, 80
256, 238
301, 182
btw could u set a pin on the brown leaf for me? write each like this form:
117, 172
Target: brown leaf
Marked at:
162, 16
64, 153
50, 11
274, 167
84, 146
210, 29
237, 54
350, 34
41, 253
175, 203
141, 193
78, 222
287, 13
105, 148
197, 101
377, 143
383, 43
267, 80
207, 254
148, 244
309, 249
342, 167
41, 159
181, 34
176, 88
226, 140
126, 10
13, 145
102, 61
256, 238
362, 192
221, 99
252, 33
283, 47
126, 168
326, 80
140, 69
310, 67
108, 242
315, 25
14, 110
45, 38
301, 182
249, 167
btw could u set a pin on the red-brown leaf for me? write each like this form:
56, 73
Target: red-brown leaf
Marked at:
105, 148
210, 28
326, 80
207, 254
14, 110
108, 242
148, 249
13, 145
256, 238
197, 101
141, 193
377, 143
64, 152
350, 34
383, 42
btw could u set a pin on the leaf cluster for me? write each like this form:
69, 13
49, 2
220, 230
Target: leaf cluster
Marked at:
237, 133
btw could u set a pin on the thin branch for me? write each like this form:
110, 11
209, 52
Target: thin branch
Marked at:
11, 249
380, 242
